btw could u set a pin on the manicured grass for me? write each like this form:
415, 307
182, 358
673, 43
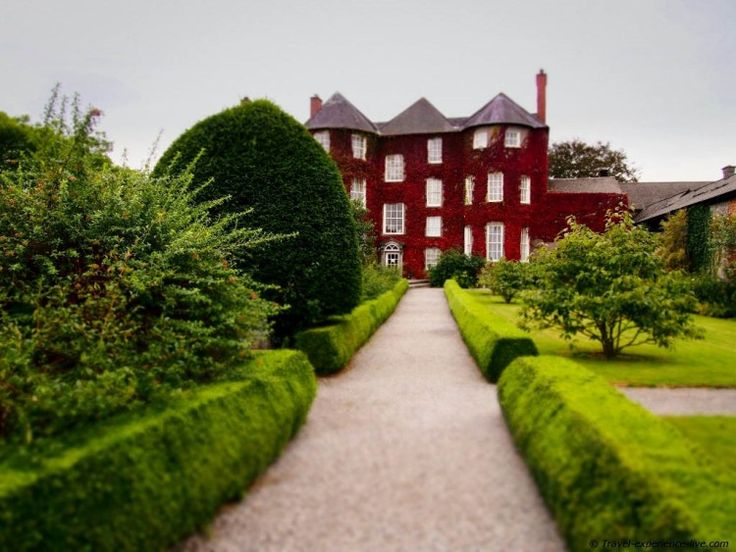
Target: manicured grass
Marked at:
716, 435
709, 362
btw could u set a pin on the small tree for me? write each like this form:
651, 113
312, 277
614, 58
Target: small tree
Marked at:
455, 264
672, 247
506, 278
609, 287
577, 159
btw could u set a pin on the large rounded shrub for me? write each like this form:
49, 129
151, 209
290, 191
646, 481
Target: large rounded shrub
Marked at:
266, 161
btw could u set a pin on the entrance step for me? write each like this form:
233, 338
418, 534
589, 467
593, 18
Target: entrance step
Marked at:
418, 283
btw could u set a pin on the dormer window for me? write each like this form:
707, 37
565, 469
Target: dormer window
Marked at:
360, 146
513, 138
323, 137
434, 150
394, 168
480, 138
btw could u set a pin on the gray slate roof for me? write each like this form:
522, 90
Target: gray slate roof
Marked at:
598, 185
503, 110
642, 194
419, 118
338, 112
703, 194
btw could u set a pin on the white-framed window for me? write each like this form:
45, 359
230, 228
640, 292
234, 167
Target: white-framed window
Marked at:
323, 137
434, 227
468, 241
431, 257
434, 192
524, 245
469, 185
357, 190
392, 256
525, 190
360, 146
513, 138
494, 241
394, 168
480, 138
495, 187
393, 218
434, 150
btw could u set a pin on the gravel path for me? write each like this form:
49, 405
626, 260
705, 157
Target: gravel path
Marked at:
684, 401
405, 450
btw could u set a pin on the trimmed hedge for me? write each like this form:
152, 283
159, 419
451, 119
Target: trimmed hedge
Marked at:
492, 341
329, 348
145, 481
607, 467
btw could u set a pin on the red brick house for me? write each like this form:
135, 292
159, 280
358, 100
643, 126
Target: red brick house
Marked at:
432, 183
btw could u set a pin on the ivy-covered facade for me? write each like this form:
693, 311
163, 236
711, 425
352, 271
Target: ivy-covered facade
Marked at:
431, 183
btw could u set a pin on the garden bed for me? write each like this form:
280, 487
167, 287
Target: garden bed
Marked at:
143, 481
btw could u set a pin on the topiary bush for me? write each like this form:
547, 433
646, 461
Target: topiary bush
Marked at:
454, 264
264, 160
115, 288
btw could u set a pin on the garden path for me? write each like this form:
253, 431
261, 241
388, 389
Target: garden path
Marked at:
684, 401
406, 449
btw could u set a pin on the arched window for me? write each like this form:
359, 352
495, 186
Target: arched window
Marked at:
392, 255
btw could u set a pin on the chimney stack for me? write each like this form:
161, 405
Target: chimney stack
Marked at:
542, 96
315, 104
728, 171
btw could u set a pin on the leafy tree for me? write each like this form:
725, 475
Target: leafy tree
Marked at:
506, 278
266, 161
609, 287
17, 137
577, 159
672, 247
115, 287
366, 233
453, 263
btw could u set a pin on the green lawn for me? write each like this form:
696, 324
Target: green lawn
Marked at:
710, 362
716, 435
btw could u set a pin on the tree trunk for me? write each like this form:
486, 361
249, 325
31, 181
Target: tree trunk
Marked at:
609, 348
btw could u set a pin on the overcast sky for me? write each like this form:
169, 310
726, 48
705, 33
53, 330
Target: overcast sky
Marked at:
656, 78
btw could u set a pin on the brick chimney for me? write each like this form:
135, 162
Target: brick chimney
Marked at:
728, 171
542, 96
315, 104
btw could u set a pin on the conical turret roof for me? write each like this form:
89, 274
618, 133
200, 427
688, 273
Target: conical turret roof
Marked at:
503, 110
338, 112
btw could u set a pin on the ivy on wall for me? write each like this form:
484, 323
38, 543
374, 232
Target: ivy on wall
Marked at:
698, 237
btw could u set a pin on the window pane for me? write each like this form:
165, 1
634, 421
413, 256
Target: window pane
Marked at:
524, 245
434, 192
394, 168
480, 138
323, 138
495, 186
431, 257
434, 227
393, 218
469, 186
359, 146
434, 150
513, 138
358, 190
525, 189
494, 241
468, 241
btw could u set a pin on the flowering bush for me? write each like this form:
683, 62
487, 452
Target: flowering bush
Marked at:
115, 287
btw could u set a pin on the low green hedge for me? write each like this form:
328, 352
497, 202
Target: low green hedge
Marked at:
144, 481
492, 341
329, 348
607, 467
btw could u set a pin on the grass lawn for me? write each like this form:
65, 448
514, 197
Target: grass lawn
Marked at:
710, 362
716, 435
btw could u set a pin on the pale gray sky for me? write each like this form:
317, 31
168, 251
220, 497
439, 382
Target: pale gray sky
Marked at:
654, 77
